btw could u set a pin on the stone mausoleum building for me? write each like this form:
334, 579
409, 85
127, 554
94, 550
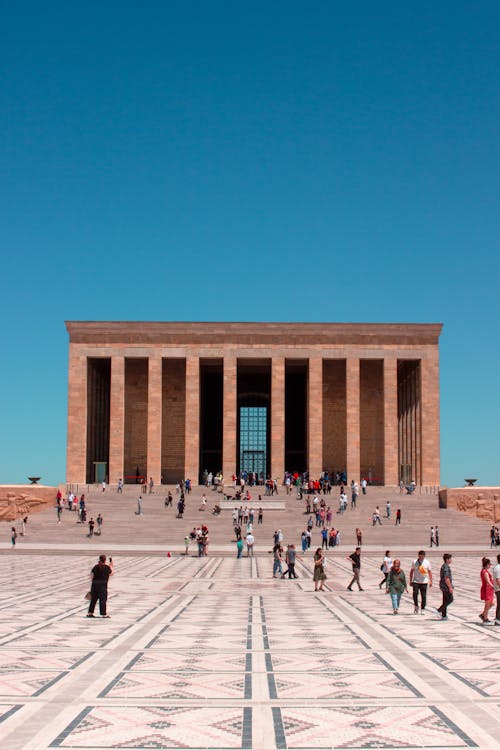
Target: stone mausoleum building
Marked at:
169, 400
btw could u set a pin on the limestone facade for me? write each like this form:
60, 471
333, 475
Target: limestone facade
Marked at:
163, 400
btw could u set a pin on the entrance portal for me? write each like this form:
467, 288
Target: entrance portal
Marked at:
253, 439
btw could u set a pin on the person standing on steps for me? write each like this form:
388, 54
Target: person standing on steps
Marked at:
446, 586
420, 578
99, 589
398, 517
355, 558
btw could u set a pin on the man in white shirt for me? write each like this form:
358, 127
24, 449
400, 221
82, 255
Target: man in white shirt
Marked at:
250, 542
496, 581
420, 578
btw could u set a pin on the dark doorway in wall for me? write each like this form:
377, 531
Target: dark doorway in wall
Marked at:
136, 418
98, 400
211, 407
296, 376
409, 421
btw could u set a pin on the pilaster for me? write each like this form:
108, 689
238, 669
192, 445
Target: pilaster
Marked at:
76, 458
154, 418
429, 422
391, 459
116, 420
192, 441
278, 418
229, 418
352, 419
315, 417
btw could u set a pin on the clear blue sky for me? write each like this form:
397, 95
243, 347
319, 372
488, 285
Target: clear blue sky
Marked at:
294, 161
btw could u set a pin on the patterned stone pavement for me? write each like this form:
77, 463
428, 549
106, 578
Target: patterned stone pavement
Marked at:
215, 653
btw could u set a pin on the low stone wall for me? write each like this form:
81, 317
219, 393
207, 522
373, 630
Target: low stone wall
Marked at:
18, 500
482, 502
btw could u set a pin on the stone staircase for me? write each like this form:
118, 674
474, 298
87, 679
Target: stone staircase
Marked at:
159, 525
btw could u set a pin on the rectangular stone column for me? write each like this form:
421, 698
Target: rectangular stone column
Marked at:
154, 419
278, 418
391, 458
116, 420
229, 419
352, 419
429, 423
192, 443
315, 417
76, 457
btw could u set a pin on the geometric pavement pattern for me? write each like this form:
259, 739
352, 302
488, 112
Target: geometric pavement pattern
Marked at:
215, 653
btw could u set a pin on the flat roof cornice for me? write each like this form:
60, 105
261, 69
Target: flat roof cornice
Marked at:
185, 333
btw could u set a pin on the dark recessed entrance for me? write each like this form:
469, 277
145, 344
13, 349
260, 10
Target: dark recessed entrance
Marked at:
296, 373
211, 408
98, 404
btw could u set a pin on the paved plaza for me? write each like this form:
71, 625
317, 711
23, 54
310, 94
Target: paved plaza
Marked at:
215, 653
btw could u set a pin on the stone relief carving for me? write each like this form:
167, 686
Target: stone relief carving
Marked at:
14, 505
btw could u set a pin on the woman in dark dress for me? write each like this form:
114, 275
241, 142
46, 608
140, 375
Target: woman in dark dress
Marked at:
319, 572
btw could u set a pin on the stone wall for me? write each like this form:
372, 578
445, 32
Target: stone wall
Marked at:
18, 500
482, 502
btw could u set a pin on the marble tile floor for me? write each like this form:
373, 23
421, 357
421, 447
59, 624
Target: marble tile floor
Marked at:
215, 653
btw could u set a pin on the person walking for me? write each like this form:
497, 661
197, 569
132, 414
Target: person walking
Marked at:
324, 538
487, 590
388, 509
91, 526
385, 567
398, 517
355, 559
433, 536
363, 486
496, 582
436, 535
319, 575
303, 541
239, 548
290, 558
13, 536
446, 586
99, 521
420, 578
139, 506
396, 584
260, 517
277, 567
99, 589
23, 525
359, 537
